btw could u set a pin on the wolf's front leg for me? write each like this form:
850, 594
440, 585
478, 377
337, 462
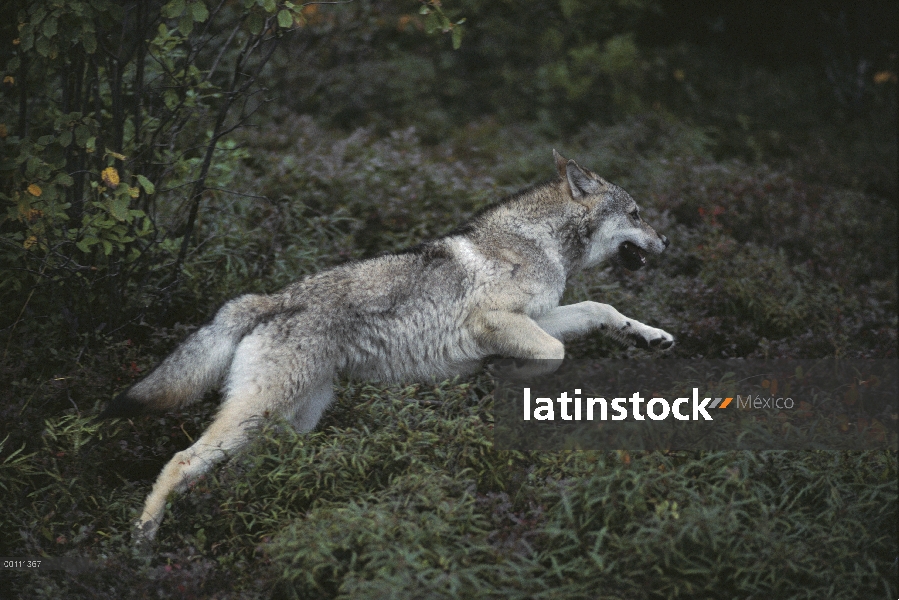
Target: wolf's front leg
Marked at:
516, 336
575, 320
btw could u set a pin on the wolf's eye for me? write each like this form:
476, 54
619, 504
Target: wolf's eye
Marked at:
635, 214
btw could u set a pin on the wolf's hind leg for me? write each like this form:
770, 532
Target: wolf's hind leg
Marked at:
575, 320
306, 410
227, 433
265, 379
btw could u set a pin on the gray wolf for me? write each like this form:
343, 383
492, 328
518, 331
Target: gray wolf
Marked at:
491, 288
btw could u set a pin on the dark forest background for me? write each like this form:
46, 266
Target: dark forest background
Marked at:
159, 158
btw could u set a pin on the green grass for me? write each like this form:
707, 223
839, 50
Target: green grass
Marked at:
399, 491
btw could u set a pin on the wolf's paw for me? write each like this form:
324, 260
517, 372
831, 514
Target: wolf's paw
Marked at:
521, 369
142, 533
650, 338
659, 340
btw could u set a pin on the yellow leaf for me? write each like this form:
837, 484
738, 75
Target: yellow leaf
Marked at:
134, 192
9, 79
110, 177
31, 241
35, 190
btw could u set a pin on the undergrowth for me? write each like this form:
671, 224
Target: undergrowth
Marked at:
399, 491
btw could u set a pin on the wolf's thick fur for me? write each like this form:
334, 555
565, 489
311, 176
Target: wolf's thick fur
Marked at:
491, 288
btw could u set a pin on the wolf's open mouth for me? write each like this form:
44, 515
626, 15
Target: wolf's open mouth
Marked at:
631, 256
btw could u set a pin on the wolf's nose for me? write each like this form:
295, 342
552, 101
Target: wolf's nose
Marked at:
665, 241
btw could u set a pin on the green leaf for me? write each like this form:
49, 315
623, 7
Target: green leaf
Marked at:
32, 165
50, 193
89, 41
49, 27
82, 133
174, 8
457, 37
146, 184
200, 12
568, 7
107, 247
65, 138
185, 24
42, 45
432, 23
85, 244
255, 22
285, 19
269, 5
64, 180
118, 207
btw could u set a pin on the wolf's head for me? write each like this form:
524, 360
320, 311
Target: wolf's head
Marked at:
613, 227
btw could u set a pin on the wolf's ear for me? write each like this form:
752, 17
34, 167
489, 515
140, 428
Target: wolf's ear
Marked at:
560, 164
581, 182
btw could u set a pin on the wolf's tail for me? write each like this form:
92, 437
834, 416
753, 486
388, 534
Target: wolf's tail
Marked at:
198, 364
